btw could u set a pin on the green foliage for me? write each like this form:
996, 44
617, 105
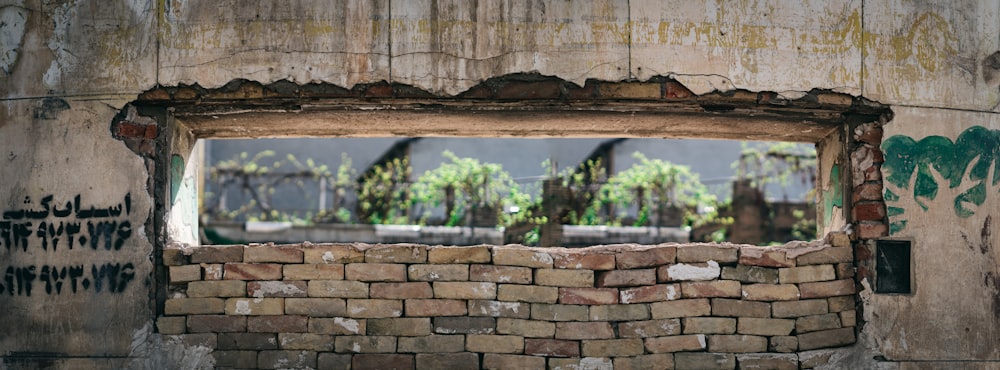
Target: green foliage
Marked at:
384, 196
777, 163
466, 186
655, 185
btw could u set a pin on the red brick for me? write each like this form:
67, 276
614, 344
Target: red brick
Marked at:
278, 324
500, 274
586, 92
435, 307
552, 347
477, 92
770, 292
282, 254
626, 278
375, 272
378, 90
378, 361
401, 290
136, 130
283, 288
869, 211
868, 191
764, 256
652, 293
867, 230
588, 296
252, 271
216, 323
233, 253
675, 90
582, 260
518, 90
655, 256
522, 256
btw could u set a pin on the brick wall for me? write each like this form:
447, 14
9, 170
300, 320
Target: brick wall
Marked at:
336, 306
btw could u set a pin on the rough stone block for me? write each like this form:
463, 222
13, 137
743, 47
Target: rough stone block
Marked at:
770, 292
807, 324
400, 327
799, 308
332, 253
451, 361
817, 358
551, 347
711, 289
278, 324
841, 303
252, 271
435, 307
183, 274
649, 328
364, 344
612, 347
171, 324
645, 257
527, 293
401, 290
736, 343
709, 325
521, 256
212, 254
806, 274
500, 274
212, 271
701, 271
337, 289
764, 256
255, 306
584, 330
306, 341
277, 289
175, 257
316, 307
829, 255
375, 272
333, 271
438, 272
826, 338
502, 361
374, 308
235, 359
499, 309
590, 296
575, 363
565, 278
783, 344
525, 328
337, 326
750, 274
766, 327
464, 290
582, 260
282, 254
216, 324
487, 343
848, 318
708, 252
464, 325
654, 361
760, 361
382, 361
626, 278
207, 340
559, 312
619, 312
217, 288
680, 308
396, 253
247, 341
739, 308
826, 289
333, 361
193, 306
845, 270
432, 344
705, 361
651, 293
475, 254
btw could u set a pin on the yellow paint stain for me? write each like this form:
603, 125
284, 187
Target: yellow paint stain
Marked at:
930, 43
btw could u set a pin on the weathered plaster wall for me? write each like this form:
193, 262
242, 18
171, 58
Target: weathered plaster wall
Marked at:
929, 60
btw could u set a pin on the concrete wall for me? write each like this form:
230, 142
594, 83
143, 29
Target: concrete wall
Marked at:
68, 67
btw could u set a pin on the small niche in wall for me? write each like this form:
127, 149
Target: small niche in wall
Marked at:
892, 267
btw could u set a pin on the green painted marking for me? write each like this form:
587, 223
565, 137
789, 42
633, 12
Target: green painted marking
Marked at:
176, 176
834, 195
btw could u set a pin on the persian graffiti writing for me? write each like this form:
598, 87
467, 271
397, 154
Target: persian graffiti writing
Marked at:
936, 171
110, 277
69, 225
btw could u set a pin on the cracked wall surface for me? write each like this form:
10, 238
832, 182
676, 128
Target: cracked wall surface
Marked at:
65, 65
